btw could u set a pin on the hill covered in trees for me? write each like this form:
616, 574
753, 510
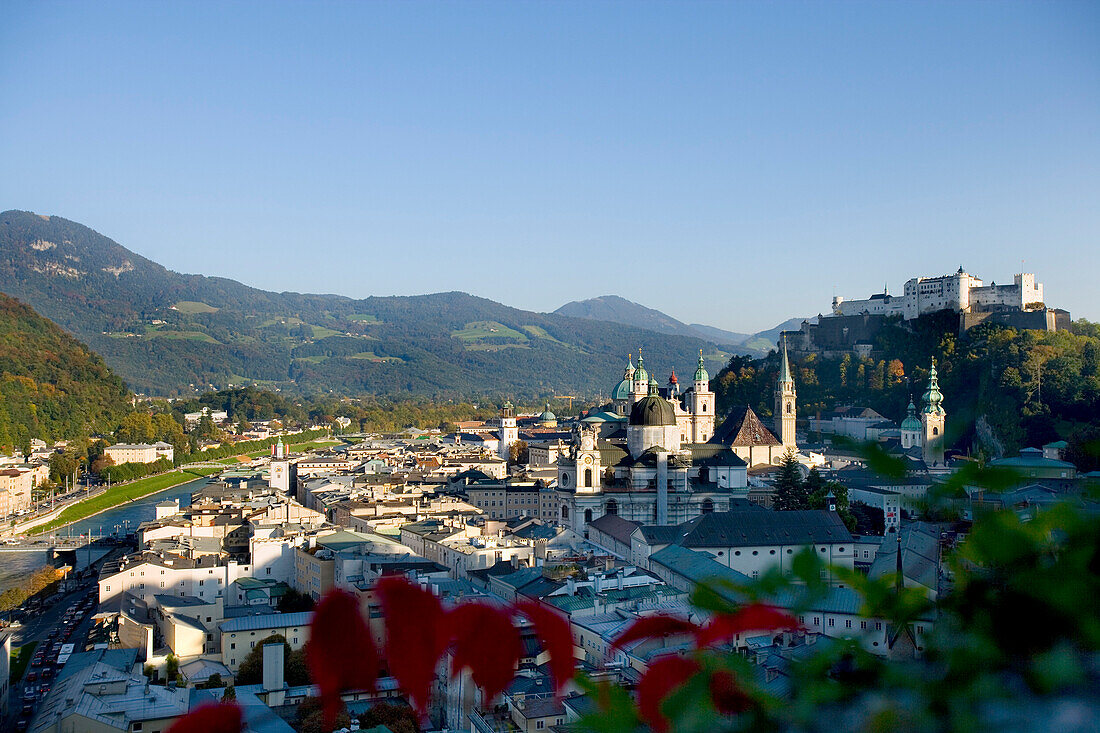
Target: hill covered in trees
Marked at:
1003, 389
171, 334
51, 385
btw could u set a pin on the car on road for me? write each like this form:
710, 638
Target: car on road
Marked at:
22, 724
32, 677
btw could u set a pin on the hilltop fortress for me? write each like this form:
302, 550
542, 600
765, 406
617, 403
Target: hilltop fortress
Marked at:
960, 292
853, 324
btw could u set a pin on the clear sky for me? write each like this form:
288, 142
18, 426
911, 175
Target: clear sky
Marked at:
728, 163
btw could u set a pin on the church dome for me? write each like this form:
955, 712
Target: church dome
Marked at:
911, 421
622, 390
652, 410
548, 416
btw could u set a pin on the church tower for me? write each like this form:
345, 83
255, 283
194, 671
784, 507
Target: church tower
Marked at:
580, 471
509, 432
911, 428
641, 380
785, 395
702, 405
932, 420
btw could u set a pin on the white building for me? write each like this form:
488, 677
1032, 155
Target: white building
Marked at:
138, 452
961, 292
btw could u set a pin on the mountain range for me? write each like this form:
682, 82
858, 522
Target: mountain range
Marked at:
620, 310
168, 333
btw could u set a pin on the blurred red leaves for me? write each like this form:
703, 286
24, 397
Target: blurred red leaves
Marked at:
553, 632
416, 636
663, 676
221, 717
654, 627
487, 643
754, 617
340, 653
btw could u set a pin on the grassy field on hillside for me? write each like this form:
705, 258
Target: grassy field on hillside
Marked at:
476, 330
192, 307
120, 494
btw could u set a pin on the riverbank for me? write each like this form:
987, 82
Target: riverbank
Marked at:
121, 494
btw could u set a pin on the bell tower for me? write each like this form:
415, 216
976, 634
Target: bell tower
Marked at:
933, 420
785, 410
509, 432
702, 404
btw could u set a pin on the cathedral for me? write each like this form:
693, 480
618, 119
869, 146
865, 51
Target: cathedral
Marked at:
655, 456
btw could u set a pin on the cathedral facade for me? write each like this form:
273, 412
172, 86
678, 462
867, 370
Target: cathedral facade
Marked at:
657, 457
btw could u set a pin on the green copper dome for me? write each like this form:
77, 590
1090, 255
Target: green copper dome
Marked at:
933, 398
911, 421
701, 371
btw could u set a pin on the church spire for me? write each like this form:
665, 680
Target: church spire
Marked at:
784, 365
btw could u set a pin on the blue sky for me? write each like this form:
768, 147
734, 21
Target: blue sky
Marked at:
728, 163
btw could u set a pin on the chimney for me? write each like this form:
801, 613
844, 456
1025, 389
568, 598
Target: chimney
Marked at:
273, 673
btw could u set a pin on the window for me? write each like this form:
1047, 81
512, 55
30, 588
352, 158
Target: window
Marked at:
773, 552
137, 726
737, 552
269, 571
233, 645
817, 620
539, 724
878, 626
848, 623
831, 622
863, 625
755, 553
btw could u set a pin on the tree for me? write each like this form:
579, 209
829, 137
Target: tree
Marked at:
100, 464
137, 427
518, 453
206, 429
251, 671
790, 492
398, 718
294, 601
63, 465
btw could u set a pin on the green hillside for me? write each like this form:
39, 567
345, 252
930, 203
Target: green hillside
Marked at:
1003, 389
171, 334
51, 385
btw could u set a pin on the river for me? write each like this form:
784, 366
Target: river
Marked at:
14, 566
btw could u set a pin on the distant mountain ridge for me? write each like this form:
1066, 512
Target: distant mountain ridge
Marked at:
170, 333
620, 310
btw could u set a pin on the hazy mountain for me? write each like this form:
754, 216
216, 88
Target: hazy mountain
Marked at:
720, 335
51, 385
620, 310
171, 333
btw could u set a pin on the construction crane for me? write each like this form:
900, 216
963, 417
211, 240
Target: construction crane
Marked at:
566, 397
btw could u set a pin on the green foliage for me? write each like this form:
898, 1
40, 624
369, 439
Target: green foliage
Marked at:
790, 491
51, 386
398, 718
294, 601
35, 583
1028, 387
251, 671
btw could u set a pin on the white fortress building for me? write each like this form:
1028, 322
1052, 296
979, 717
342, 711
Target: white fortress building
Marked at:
961, 292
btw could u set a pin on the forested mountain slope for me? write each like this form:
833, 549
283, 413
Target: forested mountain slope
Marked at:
51, 385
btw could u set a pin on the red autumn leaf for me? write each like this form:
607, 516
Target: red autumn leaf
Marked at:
340, 652
726, 695
219, 717
754, 617
654, 627
487, 643
555, 637
415, 636
662, 677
